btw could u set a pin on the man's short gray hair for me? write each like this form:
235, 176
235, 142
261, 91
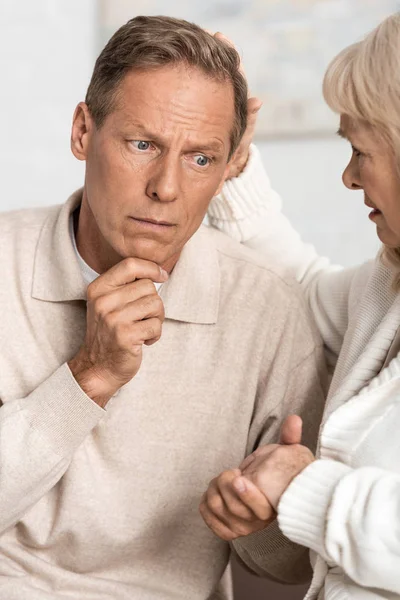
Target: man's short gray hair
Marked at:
154, 42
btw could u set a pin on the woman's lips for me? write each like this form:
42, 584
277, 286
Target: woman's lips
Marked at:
374, 213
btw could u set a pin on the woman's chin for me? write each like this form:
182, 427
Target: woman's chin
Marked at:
388, 237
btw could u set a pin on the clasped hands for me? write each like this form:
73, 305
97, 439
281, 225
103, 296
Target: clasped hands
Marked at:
242, 501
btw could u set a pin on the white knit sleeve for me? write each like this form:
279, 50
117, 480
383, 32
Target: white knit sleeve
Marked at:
249, 211
350, 514
350, 517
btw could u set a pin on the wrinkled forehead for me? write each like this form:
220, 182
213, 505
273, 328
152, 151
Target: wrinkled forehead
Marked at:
175, 97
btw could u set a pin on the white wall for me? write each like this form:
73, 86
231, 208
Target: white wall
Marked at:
46, 57
307, 174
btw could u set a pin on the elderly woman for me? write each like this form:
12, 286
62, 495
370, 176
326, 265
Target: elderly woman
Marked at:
344, 504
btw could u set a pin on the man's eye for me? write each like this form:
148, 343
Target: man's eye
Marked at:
201, 160
356, 152
141, 145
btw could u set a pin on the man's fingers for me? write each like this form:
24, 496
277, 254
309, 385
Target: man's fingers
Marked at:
143, 308
227, 526
291, 430
254, 499
121, 296
216, 526
233, 503
126, 271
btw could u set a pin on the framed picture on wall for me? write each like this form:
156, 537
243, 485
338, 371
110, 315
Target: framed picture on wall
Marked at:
285, 45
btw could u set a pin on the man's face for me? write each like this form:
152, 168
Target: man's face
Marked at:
156, 162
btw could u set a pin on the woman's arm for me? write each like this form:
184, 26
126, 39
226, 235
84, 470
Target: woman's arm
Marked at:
348, 516
249, 211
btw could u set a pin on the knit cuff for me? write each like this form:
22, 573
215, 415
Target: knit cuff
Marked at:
270, 553
304, 507
244, 196
61, 411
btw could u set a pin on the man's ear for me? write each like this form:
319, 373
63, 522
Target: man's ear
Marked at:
224, 178
82, 128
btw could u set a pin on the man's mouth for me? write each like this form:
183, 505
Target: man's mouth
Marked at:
152, 223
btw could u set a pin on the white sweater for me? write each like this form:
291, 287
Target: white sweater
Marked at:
346, 505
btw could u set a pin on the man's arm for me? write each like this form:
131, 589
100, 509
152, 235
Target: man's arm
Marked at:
293, 380
40, 432
38, 436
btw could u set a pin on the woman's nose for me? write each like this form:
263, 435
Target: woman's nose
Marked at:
351, 175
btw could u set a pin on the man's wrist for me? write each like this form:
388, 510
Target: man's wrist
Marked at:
97, 388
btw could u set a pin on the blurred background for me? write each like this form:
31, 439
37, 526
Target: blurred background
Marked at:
47, 52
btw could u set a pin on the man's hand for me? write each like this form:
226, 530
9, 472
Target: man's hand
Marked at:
230, 514
124, 312
242, 501
241, 155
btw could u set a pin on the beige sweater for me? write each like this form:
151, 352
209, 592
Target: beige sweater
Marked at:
103, 505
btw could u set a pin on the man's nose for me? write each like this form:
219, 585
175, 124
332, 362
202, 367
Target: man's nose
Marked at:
351, 175
164, 182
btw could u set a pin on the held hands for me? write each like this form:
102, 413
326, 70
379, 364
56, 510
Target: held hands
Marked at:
124, 312
245, 500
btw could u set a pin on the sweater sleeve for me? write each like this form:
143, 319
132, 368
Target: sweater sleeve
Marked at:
299, 361
348, 516
249, 210
38, 436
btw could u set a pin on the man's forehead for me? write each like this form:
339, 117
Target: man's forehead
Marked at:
164, 101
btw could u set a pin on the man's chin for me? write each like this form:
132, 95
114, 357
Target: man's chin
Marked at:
165, 258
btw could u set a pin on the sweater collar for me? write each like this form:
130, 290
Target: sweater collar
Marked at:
190, 295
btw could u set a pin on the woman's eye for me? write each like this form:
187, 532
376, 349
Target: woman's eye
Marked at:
201, 160
356, 152
141, 145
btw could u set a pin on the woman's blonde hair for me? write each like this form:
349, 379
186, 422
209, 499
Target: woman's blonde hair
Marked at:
363, 82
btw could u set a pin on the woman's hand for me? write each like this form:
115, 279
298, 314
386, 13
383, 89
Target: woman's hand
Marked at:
272, 468
241, 155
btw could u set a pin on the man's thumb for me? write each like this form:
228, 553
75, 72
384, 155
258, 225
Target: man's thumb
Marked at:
291, 430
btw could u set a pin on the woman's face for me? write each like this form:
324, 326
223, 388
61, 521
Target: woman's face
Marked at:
373, 168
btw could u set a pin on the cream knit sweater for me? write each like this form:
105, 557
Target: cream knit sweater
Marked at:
346, 505
103, 504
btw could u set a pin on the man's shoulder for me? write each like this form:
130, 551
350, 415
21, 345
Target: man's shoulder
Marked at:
25, 223
237, 257
26, 218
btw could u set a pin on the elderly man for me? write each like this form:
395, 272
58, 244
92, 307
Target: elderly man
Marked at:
107, 443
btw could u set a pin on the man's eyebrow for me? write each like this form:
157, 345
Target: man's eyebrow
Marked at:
215, 146
211, 146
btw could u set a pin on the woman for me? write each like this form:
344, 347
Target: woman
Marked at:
345, 504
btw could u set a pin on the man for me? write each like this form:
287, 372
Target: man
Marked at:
106, 443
